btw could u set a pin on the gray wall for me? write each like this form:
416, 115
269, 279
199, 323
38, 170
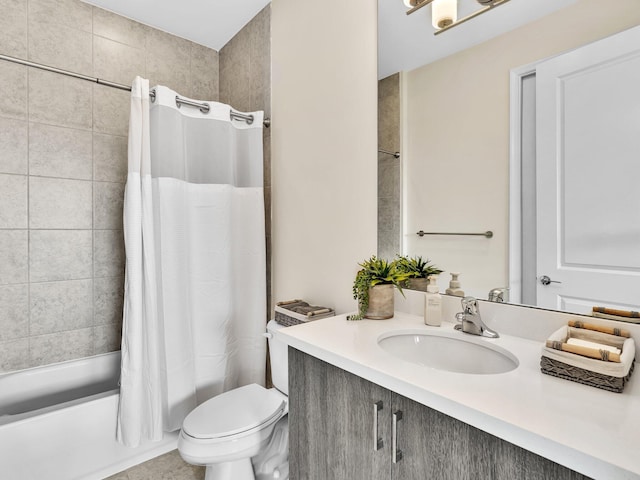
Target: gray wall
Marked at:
389, 173
63, 147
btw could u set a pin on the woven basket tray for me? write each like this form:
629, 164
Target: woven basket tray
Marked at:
586, 377
296, 312
596, 372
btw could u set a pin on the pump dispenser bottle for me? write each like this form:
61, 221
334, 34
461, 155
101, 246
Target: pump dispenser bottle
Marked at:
433, 304
454, 286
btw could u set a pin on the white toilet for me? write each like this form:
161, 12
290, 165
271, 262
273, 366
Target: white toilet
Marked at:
243, 434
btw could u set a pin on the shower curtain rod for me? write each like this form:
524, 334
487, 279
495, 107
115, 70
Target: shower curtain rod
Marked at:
204, 107
386, 152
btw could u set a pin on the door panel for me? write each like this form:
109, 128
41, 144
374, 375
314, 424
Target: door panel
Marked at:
588, 212
331, 422
434, 446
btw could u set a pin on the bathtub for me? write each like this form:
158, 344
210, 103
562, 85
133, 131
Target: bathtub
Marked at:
59, 421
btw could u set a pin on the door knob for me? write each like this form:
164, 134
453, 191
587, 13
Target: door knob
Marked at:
545, 280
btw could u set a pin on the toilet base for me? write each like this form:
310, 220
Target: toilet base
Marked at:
237, 470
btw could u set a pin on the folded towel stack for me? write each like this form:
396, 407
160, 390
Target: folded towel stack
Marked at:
613, 314
295, 312
592, 354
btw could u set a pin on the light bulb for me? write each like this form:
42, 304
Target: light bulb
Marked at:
444, 13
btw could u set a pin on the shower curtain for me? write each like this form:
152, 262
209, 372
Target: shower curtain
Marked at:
195, 281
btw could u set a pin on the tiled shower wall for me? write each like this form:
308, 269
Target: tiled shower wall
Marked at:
245, 83
63, 147
389, 171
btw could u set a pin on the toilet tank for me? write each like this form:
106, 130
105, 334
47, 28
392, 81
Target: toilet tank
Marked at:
279, 360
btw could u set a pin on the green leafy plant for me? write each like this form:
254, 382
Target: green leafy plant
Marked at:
375, 271
416, 267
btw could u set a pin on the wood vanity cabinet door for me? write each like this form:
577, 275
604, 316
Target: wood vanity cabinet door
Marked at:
438, 447
331, 422
433, 445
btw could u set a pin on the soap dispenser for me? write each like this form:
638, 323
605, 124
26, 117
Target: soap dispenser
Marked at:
454, 286
433, 304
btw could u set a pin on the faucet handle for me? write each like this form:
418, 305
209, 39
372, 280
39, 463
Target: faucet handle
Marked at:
499, 294
469, 304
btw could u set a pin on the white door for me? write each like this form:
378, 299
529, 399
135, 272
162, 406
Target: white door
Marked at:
588, 176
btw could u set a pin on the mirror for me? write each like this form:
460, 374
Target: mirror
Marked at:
456, 134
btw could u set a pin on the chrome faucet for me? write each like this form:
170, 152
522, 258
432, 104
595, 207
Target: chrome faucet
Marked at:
499, 295
470, 321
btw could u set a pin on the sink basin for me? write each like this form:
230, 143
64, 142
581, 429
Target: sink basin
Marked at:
449, 352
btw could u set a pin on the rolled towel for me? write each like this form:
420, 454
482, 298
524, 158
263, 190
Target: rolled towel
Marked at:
619, 313
599, 328
617, 318
603, 355
588, 344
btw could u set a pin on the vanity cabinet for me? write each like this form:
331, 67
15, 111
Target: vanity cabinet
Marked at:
332, 419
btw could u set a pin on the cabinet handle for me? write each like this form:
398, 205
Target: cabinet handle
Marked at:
396, 454
377, 441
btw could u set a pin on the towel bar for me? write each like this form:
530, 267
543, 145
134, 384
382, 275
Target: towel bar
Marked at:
487, 234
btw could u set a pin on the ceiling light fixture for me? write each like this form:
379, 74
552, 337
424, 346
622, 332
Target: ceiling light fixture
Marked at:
444, 15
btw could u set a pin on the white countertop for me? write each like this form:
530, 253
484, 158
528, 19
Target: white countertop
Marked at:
592, 431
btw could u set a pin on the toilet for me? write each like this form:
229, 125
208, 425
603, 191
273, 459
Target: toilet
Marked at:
243, 434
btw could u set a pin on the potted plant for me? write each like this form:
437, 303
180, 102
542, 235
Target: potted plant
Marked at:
417, 270
373, 288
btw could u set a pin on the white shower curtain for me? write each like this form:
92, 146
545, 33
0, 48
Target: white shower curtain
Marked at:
195, 286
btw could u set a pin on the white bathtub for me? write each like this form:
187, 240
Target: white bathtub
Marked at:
58, 422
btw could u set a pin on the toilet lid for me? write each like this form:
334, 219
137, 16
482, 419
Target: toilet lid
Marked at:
233, 412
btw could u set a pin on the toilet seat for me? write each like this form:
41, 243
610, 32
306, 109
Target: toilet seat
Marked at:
237, 412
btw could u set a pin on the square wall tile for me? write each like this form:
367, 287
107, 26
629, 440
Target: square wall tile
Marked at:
14, 355
204, 73
108, 201
224, 86
108, 298
60, 100
60, 46
69, 13
60, 306
107, 338
13, 201
117, 62
14, 312
13, 28
118, 28
167, 60
13, 90
111, 111
108, 253
110, 162
388, 178
389, 214
56, 203
60, 255
237, 50
13, 146
58, 347
14, 247
260, 33
60, 152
